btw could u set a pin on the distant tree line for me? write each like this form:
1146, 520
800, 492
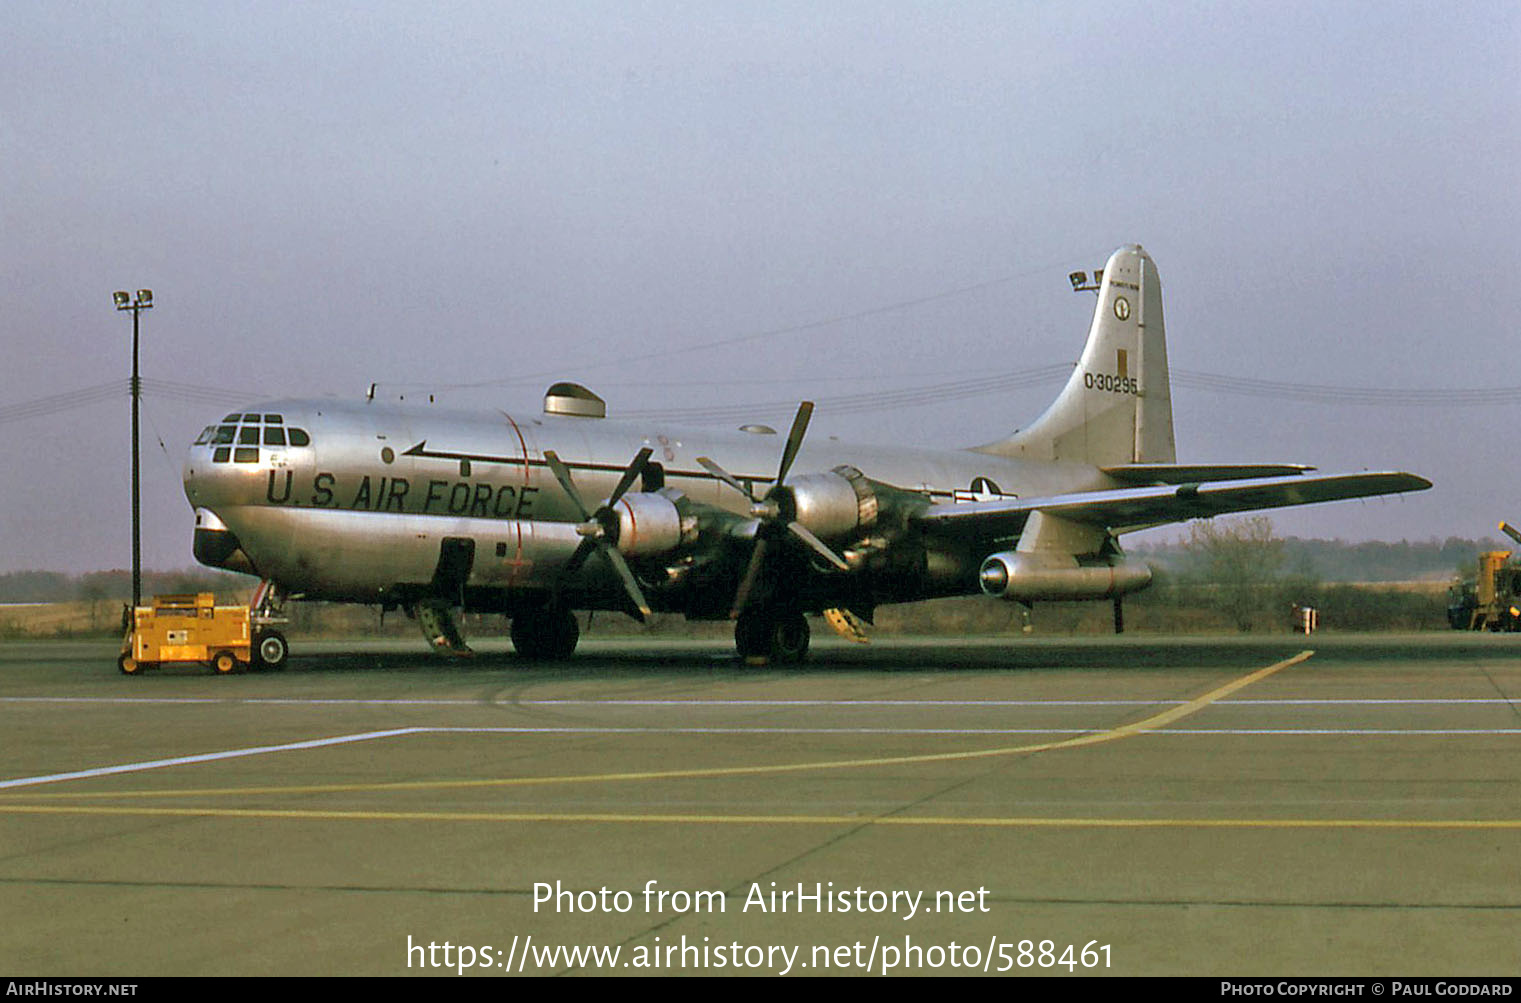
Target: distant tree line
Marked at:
1340, 561
55, 586
1240, 571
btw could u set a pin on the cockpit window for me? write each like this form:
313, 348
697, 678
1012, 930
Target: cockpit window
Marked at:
245, 454
271, 430
220, 455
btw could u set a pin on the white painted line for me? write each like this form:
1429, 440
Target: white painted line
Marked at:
104, 771
1336, 731
739, 730
327, 702
317, 743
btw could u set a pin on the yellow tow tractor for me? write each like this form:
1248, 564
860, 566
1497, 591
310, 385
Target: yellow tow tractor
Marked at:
1492, 600
185, 628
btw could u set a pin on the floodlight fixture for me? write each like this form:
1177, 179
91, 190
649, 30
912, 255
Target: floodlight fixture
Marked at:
1080, 283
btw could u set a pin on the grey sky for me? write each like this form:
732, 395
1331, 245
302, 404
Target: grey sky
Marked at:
325, 195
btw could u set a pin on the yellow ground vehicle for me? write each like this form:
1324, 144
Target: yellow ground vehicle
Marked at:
1492, 601
186, 628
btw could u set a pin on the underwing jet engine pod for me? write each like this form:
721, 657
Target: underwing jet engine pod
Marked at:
1027, 577
1058, 559
440, 511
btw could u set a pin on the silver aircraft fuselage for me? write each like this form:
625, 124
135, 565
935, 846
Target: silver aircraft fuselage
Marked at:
362, 507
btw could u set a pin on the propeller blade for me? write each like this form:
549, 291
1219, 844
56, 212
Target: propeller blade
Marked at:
802, 533
562, 474
630, 583
769, 511
726, 477
593, 531
794, 439
579, 555
752, 572
629, 476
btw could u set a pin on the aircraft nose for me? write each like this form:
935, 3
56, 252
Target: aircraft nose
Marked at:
230, 457
209, 473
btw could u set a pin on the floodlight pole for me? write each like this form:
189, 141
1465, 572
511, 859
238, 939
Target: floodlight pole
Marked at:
144, 301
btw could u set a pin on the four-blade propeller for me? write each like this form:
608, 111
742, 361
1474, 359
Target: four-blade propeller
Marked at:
775, 511
599, 528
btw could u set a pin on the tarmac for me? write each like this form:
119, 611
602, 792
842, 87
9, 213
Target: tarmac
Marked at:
1142, 805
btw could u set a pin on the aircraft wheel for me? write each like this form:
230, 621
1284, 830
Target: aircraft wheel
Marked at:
270, 649
128, 665
224, 663
771, 635
789, 638
548, 634
750, 632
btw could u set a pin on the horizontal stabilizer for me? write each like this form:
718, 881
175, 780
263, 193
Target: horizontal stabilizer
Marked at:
1194, 473
1129, 509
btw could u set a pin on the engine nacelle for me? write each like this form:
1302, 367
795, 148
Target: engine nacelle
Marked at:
1027, 577
652, 523
833, 504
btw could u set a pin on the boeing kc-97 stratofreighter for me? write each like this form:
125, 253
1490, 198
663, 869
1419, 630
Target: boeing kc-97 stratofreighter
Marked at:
536, 517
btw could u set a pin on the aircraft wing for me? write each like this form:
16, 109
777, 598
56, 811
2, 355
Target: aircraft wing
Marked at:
1127, 509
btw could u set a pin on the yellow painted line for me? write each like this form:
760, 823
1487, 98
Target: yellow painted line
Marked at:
1152, 723
941, 821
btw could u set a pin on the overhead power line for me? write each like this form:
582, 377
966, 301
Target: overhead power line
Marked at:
878, 401
1329, 394
1189, 379
219, 396
72, 400
775, 332
916, 396
43, 406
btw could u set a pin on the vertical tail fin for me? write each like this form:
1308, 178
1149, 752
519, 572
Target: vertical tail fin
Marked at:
1117, 406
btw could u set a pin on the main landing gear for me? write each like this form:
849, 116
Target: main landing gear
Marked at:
771, 635
548, 633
